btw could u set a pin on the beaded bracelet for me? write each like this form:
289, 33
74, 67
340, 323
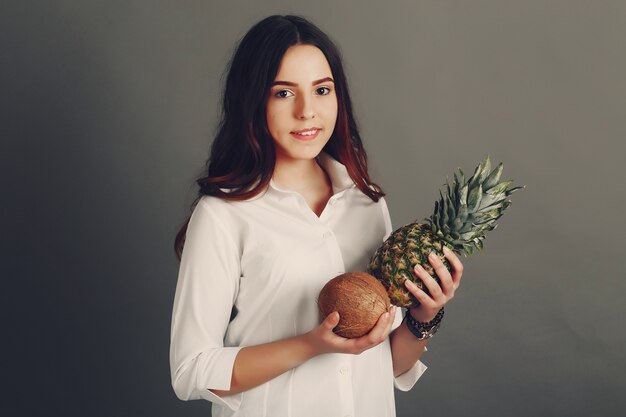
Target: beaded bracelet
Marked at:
423, 330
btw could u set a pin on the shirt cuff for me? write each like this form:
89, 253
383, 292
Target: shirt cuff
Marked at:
232, 402
407, 380
219, 378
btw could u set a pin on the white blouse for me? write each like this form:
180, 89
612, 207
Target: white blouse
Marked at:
250, 273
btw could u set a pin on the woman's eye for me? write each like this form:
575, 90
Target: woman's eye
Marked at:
283, 94
322, 91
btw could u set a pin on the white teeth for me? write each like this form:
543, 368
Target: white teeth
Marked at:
308, 133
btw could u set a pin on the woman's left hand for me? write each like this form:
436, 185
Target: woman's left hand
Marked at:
439, 294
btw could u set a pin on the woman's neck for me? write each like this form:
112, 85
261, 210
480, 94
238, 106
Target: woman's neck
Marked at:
299, 175
307, 178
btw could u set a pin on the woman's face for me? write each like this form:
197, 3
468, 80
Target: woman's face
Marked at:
302, 106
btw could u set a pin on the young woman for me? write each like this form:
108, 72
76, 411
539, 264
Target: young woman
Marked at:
286, 205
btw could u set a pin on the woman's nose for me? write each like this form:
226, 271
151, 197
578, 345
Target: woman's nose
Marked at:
305, 108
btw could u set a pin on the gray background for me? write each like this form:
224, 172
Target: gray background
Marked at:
107, 113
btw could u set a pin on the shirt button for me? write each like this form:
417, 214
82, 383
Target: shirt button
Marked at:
344, 370
327, 235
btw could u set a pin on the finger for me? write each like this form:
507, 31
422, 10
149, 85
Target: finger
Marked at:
447, 285
421, 295
457, 266
379, 331
388, 322
392, 318
331, 321
394, 314
377, 334
431, 284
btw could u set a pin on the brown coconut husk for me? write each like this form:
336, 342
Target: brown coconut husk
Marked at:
359, 298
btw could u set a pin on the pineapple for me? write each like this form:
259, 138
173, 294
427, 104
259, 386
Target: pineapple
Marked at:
462, 216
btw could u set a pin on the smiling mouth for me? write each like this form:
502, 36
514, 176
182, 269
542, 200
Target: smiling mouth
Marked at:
307, 134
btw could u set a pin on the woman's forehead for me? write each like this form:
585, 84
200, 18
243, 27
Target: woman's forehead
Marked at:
303, 64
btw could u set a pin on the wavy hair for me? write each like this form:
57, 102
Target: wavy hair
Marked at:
242, 155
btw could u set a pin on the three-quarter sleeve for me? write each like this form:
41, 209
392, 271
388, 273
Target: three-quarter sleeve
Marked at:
208, 282
405, 381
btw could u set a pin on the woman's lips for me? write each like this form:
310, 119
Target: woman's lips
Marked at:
306, 134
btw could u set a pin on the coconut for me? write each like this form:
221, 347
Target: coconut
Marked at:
359, 298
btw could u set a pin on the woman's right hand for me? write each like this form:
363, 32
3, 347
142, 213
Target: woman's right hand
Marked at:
324, 340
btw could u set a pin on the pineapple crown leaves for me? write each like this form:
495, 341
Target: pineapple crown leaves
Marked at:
466, 210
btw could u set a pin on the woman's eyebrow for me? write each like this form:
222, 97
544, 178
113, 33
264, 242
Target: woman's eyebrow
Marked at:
289, 83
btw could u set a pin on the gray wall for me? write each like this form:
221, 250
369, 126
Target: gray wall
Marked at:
107, 113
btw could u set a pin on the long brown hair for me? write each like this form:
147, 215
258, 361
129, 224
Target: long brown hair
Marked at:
242, 155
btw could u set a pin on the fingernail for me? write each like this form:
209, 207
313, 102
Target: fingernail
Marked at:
409, 284
419, 267
446, 250
432, 256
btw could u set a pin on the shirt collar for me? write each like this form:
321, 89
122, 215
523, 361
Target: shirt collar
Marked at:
337, 172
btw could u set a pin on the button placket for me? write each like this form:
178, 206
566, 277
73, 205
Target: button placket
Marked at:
334, 251
345, 388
